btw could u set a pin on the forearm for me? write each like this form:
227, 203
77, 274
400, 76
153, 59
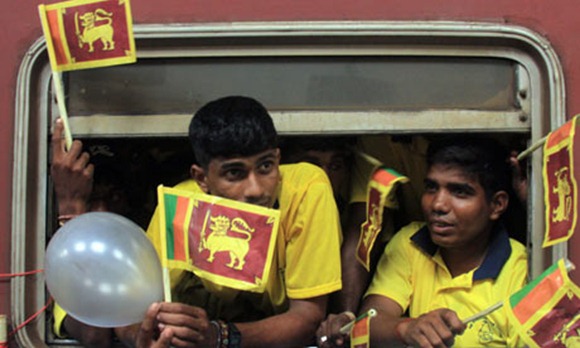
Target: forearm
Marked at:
128, 334
355, 282
385, 330
355, 277
296, 327
88, 336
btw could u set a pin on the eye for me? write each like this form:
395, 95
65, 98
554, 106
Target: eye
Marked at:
462, 191
430, 186
266, 167
234, 174
336, 166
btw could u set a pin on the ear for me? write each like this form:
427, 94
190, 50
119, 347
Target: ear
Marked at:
278, 156
499, 203
198, 174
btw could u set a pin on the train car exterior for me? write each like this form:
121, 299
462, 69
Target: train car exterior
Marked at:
509, 67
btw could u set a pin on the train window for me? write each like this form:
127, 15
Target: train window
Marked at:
328, 78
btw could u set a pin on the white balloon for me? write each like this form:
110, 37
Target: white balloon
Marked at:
101, 268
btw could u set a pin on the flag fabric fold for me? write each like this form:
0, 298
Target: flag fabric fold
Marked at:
560, 186
227, 242
380, 193
83, 34
546, 312
359, 335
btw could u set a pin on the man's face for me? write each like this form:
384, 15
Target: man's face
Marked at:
253, 179
332, 162
456, 210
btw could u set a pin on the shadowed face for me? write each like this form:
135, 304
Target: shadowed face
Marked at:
332, 162
253, 179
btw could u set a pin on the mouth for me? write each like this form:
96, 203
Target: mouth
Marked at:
440, 227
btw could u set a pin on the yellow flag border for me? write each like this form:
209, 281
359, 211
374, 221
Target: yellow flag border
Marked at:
384, 191
569, 142
130, 56
524, 330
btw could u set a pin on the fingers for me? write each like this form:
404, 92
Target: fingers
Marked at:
328, 333
434, 329
189, 325
148, 329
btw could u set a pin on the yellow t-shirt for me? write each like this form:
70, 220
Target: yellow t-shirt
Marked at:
412, 273
306, 262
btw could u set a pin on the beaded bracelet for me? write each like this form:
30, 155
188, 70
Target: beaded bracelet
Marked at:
219, 333
398, 331
223, 334
228, 334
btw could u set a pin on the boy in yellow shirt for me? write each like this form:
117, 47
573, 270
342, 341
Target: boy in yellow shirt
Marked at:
457, 263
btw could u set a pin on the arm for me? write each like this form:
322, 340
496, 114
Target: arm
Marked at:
72, 174
295, 327
187, 326
88, 336
355, 276
433, 329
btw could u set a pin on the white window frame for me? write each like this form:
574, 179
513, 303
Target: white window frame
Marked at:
543, 93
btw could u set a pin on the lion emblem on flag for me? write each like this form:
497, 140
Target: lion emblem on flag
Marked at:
220, 241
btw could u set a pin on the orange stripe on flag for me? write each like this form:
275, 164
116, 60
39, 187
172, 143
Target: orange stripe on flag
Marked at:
178, 228
538, 296
560, 134
359, 336
383, 176
55, 34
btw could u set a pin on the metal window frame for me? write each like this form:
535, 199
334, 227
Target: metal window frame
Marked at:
540, 66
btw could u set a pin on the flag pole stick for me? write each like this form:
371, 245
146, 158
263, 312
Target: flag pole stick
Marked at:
483, 313
163, 239
346, 328
532, 148
375, 162
60, 101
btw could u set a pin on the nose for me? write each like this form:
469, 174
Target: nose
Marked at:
254, 190
439, 203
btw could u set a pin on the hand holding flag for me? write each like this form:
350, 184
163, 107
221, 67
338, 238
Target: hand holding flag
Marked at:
83, 34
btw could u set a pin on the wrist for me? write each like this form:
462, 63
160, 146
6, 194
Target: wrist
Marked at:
401, 328
72, 207
228, 335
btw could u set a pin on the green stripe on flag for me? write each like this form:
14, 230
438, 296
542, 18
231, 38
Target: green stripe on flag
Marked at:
170, 210
520, 295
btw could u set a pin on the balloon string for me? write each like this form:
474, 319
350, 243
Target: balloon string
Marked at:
31, 318
9, 275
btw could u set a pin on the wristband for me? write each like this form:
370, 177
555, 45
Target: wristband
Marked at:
235, 336
398, 327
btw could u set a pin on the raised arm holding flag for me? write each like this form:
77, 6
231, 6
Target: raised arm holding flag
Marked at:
82, 34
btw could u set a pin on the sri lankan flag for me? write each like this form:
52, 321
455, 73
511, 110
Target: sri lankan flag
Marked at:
83, 34
560, 187
379, 193
359, 336
547, 310
227, 242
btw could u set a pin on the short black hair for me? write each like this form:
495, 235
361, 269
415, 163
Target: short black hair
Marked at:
231, 126
482, 157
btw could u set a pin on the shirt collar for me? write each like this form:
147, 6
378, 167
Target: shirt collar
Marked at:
498, 251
